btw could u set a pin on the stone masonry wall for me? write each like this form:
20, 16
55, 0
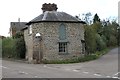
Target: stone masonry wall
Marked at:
50, 39
29, 45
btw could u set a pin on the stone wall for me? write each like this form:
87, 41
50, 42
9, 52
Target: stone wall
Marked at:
29, 45
50, 39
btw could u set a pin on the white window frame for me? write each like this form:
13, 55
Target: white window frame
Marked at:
63, 47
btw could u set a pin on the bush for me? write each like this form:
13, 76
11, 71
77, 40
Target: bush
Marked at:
14, 47
8, 48
90, 39
100, 42
112, 41
20, 47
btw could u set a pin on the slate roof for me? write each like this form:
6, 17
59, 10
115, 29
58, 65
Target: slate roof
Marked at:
18, 25
54, 16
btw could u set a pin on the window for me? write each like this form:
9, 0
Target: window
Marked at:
63, 47
83, 46
30, 29
62, 32
62, 39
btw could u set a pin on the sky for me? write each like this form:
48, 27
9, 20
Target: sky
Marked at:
26, 10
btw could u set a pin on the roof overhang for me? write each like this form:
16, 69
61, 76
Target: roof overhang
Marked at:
29, 23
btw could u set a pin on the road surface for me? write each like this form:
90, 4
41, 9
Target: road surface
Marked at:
104, 67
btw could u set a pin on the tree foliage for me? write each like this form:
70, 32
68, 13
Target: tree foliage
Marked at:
86, 17
14, 47
110, 31
90, 39
20, 45
8, 47
99, 36
96, 18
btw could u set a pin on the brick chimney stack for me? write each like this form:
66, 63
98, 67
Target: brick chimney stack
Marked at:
49, 7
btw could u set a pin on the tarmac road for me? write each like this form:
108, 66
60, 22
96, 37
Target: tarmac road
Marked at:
104, 67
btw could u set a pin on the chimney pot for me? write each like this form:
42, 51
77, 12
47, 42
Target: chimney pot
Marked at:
49, 7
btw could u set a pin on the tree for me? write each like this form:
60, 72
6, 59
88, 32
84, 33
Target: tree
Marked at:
90, 39
14, 47
86, 17
97, 27
100, 42
110, 31
18, 35
96, 18
20, 45
100, 35
118, 35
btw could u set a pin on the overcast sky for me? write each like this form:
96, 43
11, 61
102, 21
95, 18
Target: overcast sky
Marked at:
26, 10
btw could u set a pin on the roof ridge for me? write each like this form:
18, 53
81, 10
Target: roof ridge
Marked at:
45, 15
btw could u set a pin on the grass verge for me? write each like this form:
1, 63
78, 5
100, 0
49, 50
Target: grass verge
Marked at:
90, 57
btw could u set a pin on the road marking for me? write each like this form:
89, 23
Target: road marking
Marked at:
86, 72
75, 70
50, 67
22, 72
108, 76
4, 67
116, 73
44, 66
97, 74
35, 76
114, 77
26, 73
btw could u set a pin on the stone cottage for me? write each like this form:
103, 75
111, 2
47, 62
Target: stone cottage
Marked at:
61, 36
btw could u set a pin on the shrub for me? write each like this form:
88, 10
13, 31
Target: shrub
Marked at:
90, 41
20, 47
112, 41
8, 48
14, 47
100, 42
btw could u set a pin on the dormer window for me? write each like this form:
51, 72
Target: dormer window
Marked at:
30, 29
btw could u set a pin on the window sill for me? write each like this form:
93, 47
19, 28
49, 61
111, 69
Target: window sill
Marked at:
63, 53
63, 41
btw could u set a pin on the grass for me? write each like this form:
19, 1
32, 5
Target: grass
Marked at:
90, 57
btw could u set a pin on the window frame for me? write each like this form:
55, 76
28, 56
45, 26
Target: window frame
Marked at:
63, 47
62, 35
